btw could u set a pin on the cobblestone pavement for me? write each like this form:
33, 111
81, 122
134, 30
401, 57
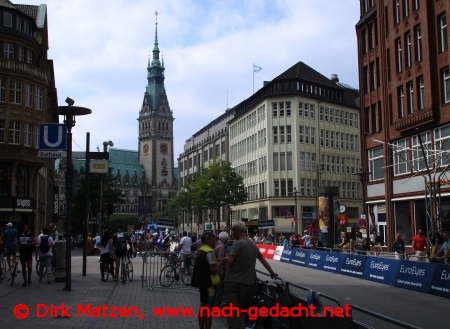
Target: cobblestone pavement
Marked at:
90, 290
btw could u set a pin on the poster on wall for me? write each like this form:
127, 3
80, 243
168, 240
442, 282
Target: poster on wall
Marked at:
324, 213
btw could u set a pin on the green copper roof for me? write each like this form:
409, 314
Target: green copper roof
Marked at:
155, 76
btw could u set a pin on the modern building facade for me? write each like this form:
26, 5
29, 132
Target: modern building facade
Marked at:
27, 90
205, 147
297, 133
405, 96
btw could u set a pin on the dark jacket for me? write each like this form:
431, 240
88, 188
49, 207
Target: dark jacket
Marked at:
201, 277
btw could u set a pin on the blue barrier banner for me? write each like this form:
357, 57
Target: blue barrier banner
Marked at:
332, 261
286, 255
353, 265
440, 285
300, 256
381, 270
315, 259
414, 275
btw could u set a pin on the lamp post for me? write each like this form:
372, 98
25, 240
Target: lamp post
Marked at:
69, 112
363, 179
105, 149
296, 218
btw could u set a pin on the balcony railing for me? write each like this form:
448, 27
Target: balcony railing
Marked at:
414, 120
23, 67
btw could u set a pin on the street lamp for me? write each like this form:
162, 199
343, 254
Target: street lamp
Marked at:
69, 112
296, 219
105, 149
363, 179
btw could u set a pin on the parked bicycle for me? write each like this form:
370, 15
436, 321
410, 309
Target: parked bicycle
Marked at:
15, 269
45, 268
128, 268
2, 266
174, 271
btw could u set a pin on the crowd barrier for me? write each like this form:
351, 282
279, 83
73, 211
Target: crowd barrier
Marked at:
155, 274
426, 277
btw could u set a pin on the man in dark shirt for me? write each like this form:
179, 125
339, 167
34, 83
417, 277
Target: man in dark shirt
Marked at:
399, 247
9, 238
27, 244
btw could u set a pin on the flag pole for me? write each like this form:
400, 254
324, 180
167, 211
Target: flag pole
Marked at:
253, 69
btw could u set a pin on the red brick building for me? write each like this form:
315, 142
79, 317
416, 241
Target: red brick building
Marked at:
404, 79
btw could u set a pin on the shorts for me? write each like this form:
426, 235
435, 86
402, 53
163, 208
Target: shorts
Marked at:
26, 256
11, 250
208, 295
121, 253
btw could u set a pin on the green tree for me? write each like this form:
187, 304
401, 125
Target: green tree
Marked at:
219, 186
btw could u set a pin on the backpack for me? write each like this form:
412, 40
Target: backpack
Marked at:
44, 247
120, 241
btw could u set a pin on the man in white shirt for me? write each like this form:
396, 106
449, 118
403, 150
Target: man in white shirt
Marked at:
307, 239
185, 247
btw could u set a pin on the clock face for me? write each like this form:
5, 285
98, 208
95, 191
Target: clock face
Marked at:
145, 148
343, 208
163, 148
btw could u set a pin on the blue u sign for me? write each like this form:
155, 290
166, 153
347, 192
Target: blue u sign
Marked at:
52, 136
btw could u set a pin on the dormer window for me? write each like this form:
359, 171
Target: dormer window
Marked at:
19, 23
26, 26
7, 18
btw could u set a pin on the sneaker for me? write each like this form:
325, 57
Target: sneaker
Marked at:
24, 284
29, 280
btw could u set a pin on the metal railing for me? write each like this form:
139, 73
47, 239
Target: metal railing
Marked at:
168, 270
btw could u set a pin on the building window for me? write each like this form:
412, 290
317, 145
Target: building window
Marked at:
288, 109
301, 134
397, 11
274, 109
312, 135
326, 114
373, 81
19, 23
28, 94
2, 90
406, 8
300, 109
8, 50
288, 134
322, 136
26, 26
27, 134
289, 160
419, 157
408, 49
21, 54
39, 98
14, 132
22, 180
36, 137
275, 162
446, 78
421, 94
282, 139
401, 102
282, 161
302, 161
276, 186
401, 157
7, 18
418, 34
442, 144
311, 111
29, 57
443, 45
416, 5
275, 135
410, 87
2, 132
376, 164
15, 92
321, 113
399, 55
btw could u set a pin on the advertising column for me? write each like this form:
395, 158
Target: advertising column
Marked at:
329, 213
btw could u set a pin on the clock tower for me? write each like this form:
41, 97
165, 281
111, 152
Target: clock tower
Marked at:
156, 134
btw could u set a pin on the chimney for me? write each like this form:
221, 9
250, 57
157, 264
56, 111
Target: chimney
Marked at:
265, 83
334, 78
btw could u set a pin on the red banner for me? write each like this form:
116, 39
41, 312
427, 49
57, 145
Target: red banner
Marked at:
267, 250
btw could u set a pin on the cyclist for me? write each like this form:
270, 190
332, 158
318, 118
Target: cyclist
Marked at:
54, 234
27, 243
44, 247
9, 243
105, 255
120, 240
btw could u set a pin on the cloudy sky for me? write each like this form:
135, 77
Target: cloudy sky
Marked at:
100, 50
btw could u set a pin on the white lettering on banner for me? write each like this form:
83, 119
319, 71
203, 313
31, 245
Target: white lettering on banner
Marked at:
445, 275
287, 252
56, 206
416, 284
23, 203
330, 268
300, 254
353, 262
379, 277
262, 250
315, 256
379, 266
270, 251
412, 270
331, 259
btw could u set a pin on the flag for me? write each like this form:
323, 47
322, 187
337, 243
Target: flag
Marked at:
256, 68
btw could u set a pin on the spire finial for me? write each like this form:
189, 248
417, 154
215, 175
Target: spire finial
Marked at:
156, 14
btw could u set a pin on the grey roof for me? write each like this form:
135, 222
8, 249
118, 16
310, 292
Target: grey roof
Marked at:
31, 11
6, 3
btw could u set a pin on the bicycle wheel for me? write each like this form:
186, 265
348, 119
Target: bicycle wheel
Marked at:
13, 273
129, 268
123, 274
45, 268
186, 274
2, 269
167, 276
104, 270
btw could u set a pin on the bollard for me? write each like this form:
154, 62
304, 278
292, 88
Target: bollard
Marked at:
60, 254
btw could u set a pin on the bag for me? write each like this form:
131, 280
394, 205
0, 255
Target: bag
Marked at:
215, 279
112, 251
121, 242
44, 247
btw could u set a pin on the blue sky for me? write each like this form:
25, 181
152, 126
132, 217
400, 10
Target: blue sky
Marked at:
100, 51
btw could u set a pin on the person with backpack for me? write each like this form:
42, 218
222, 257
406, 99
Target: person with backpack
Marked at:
120, 240
44, 248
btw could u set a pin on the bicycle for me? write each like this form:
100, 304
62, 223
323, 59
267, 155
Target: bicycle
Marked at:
106, 268
45, 268
173, 271
128, 268
2, 267
14, 270
259, 300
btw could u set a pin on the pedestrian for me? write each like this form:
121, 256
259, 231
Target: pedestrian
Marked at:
185, 248
373, 240
54, 234
44, 248
313, 228
241, 272
27, 244
419, 245
9, 239
205, 276
399, 247
120, 240
220, 250
105, 253
379, 243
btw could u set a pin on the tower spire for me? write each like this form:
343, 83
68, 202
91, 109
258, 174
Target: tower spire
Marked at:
155, 61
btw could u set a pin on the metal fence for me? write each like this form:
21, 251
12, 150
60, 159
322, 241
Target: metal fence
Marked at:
169, 270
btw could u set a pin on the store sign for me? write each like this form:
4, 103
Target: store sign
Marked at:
99, 166
24, 203
264, 224
166, 223
381, 270
414, 275
353, 265
440, 284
